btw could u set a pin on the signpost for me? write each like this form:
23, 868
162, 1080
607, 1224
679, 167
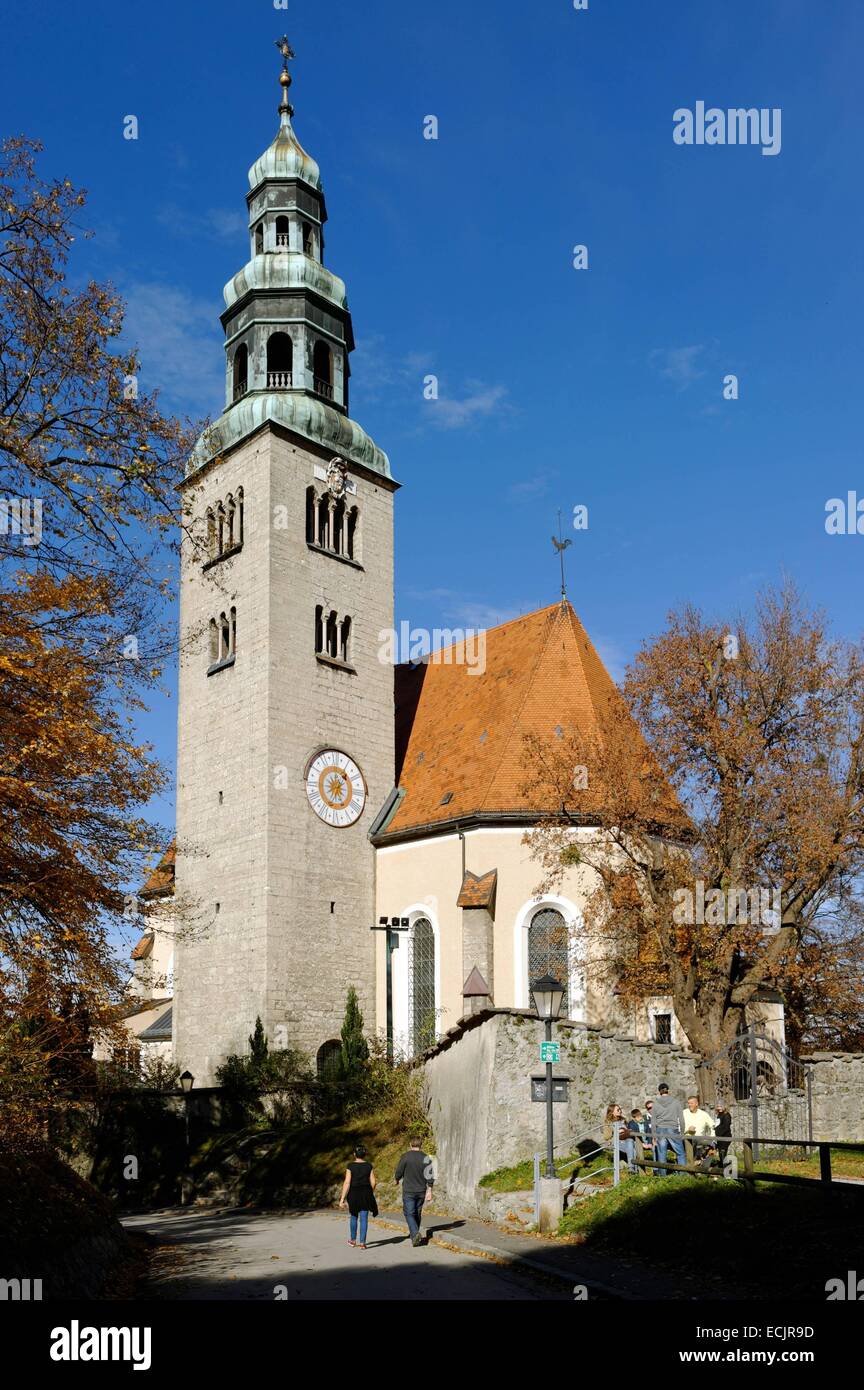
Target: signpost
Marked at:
550, 1052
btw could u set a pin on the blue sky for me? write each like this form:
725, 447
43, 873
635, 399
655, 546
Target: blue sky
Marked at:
558, 387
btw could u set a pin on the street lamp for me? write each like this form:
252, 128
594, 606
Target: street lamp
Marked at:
186, 1083
548, 994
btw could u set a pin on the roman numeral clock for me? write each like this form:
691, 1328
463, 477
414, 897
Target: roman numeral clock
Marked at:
335, 788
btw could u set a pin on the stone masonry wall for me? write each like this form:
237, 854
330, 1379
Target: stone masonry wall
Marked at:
838, 1095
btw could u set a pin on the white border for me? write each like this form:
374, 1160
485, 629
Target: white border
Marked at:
573, 918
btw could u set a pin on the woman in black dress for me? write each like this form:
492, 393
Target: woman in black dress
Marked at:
359, 1188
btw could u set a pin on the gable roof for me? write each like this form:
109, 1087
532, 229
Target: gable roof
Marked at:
160, 882
460, 730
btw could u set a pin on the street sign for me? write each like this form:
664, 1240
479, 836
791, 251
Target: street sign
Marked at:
550, 1052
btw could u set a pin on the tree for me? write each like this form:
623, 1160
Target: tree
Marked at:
758, 730
355, 1049
89, 468
258, 1050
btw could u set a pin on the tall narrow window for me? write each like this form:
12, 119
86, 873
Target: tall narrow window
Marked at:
351, 543
211, 535
344, 640
224, 637
283, 233
324, 522
308, 240
339, 525
220, 529
238, 532
232, 633
241, 371
322, 369
214, 642
310, 515
421, 984
548, 951
333, 636
280, 361
319, 630
259, 239
230, 542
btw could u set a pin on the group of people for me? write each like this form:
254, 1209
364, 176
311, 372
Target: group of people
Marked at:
663, 1125
414, 1172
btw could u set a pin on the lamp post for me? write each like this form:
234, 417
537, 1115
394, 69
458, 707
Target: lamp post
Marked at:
187, 1080
391, 925
548, 993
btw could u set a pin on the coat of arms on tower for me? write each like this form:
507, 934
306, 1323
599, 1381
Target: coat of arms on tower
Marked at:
337, 477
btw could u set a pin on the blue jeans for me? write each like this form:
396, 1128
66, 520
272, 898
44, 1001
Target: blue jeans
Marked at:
364, 1220
412, 1206
662, 1140
628, 1148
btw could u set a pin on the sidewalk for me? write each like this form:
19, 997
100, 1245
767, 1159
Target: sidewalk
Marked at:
603, 1276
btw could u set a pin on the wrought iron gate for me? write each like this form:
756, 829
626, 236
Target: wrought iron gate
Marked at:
767, 1091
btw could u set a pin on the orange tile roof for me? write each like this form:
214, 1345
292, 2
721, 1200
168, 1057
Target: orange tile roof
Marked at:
161, 879
478, 890
460, 749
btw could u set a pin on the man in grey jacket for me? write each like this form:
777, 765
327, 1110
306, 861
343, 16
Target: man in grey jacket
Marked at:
666, 1118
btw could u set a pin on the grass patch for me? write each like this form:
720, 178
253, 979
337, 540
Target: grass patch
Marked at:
302, 1166
845, 1163
520, 1177
776, 1242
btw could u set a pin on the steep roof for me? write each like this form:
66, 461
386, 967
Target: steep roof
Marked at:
460, 731
160, 882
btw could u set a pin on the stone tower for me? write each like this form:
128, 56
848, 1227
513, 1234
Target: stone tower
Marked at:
285, 741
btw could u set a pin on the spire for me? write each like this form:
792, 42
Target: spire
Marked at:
286, 110
561, 545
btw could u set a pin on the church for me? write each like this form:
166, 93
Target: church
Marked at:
341, 820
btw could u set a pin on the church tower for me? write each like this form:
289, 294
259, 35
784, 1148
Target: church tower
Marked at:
285, 740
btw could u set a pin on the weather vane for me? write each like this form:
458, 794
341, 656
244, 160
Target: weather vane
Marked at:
561, 545
284, 46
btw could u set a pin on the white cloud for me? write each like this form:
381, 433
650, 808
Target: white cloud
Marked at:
451, 414
679, 365
181, 345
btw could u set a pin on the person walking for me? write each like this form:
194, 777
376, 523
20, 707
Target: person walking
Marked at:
414, 1171
359, 1189
666, 1114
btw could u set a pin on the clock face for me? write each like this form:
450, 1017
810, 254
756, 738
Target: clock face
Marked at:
335, 788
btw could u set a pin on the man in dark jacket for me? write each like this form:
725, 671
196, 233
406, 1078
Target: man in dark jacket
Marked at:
666, 1124
722, 1130
414, 1171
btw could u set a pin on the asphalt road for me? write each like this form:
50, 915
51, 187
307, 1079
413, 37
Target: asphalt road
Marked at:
305, 1255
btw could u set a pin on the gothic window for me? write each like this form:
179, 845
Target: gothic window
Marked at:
339, 525
548, 951
421, 984
214, 642
324, 522
319, 630
232, 633
310, 514
224, 637
351, 538
259, 239
328, 1061
220, 528
238, 528
344, 639
211, 535
230, 540
322, 369
241, 371
283, 233
333, 636
280, 361
308, 240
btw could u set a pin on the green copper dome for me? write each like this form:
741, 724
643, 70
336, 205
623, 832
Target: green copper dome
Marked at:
285, 159
285, 270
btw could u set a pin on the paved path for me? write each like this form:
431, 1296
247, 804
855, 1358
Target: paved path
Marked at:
239, 1254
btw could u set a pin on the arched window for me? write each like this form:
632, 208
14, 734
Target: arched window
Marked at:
220, 528
311, 501
224, 637
280, 360
241, 371
324, 522
283, 233
333, 636
319, 630
238, 520
344, 640
259, 239
339, 525
232, 634
308, 240
548, 951
230, 540
214, 642
322, 369
328, 1061
421, 984
211, 534
352, 537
